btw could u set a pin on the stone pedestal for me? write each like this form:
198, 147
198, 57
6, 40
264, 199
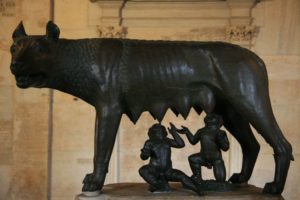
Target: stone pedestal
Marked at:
139, 191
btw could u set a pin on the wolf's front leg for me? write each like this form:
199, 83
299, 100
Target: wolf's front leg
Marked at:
107, 123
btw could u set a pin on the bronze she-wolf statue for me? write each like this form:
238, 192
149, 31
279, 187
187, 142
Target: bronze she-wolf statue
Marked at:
123, 76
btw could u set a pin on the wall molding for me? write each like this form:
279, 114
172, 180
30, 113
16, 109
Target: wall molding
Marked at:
241, 33
112, 31
224, 20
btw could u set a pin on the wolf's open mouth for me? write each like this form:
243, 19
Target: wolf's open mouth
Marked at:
33, 80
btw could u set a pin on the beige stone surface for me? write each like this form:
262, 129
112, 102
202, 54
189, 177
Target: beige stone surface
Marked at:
5, 174
5, 78
137, 191
280, 27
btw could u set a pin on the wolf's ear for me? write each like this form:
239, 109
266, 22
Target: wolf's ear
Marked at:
52, 30
19, 31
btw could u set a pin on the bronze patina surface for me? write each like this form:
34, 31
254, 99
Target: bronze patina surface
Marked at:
122, 76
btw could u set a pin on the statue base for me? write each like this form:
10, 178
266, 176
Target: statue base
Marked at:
133, 191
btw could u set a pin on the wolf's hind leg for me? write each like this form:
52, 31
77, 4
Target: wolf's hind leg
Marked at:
241, 131
258, 111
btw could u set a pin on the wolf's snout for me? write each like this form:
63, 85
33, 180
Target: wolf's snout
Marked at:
15, 66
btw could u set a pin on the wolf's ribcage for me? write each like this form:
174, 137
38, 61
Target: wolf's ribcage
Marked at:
158, 76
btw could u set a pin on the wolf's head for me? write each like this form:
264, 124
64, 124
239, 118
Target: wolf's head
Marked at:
32, 56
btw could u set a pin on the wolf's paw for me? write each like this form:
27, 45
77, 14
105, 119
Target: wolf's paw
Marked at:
91, 184
237, 178
272, 188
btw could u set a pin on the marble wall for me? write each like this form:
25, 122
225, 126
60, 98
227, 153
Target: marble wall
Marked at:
24, 114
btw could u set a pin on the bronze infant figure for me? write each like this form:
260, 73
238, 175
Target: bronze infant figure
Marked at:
123, 76
212, 140
160, 171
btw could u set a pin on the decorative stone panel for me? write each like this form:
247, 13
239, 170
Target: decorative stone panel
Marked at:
241, 33
222, 20
112, 31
